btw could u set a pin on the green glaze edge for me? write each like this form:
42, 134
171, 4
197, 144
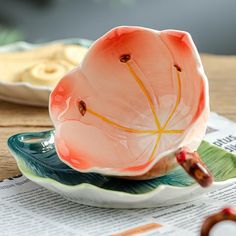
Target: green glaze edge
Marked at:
47, 167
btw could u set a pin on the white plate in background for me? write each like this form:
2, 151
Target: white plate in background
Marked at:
26, 93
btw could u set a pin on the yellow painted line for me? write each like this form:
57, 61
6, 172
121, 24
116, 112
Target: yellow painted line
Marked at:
146, 93
171, 131
155, 147
177, 100
160, 130
130, 130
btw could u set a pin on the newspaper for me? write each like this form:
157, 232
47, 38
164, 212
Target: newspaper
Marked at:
28, 209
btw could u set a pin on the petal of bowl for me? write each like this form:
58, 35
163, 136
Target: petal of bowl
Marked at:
26, 93
37, 159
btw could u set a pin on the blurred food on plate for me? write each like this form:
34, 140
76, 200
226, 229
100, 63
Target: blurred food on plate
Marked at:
43, 66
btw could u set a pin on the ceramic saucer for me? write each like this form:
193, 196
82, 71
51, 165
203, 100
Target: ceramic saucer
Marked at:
37, 159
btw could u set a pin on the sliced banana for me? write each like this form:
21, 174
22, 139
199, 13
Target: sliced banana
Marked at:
43, 66
72, 53
46, 73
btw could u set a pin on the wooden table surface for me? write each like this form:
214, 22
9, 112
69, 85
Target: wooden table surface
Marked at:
14, 118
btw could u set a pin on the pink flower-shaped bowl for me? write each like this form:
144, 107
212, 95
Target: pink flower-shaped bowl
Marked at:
135, 107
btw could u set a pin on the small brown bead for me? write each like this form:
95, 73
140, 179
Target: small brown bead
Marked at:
82, 107
124, 58
178, 68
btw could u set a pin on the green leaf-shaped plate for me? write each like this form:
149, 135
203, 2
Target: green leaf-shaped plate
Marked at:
37, 159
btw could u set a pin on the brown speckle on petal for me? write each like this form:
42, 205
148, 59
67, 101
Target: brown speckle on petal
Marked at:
82, 107
177, 68
124, 58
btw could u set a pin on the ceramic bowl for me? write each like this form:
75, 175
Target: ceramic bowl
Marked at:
26, 93
137, 103
37, 159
